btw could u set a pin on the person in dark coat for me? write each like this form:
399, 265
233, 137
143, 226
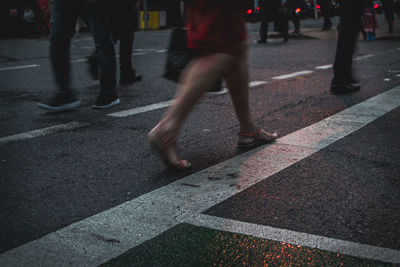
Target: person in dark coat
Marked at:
326, 14
124, 23
269, 10
389, 8
291, 6
63, 18
349, 28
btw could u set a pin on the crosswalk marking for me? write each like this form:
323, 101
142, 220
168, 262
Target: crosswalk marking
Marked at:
292, 75
21, 67
296, 238
42, 132
130, 224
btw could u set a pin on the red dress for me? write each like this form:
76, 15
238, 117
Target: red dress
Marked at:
215, 26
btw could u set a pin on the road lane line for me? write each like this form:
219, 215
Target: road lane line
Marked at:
79, 60
21, 67
149, 215
42, 132
324, 67
168, 103
363, 57
296, 238
143, 109
291, 75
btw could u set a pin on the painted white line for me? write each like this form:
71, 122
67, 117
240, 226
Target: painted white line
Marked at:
136, 221
257, 83
79, 60
21, 67
363, 57
168, 103
291, 75
88, 47
140, 53
324, 67
143, 109
297, 238
41, 132
161, 51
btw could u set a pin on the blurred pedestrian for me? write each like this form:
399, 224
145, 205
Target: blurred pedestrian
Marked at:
391, 7
326, 12
349, 27
216, 32
29, 18
124, 23
370, 20
292, 7
63, 19
41, 21
269, 11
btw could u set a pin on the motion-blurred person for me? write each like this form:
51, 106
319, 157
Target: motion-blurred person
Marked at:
349, 28
29, 18
217, 34
370, 20
269, 10
124, 23
326, 14
63, 19
391, 7
292, 6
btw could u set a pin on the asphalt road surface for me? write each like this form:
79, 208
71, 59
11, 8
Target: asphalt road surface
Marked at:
83, 188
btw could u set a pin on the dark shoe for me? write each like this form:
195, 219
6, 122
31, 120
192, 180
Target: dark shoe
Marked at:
128, 77
61, 102
262, 41
106, 101
344, 88
93, 66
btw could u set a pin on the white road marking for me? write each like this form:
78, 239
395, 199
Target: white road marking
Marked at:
363, 57
291, 75
79, 60
296, 238
143, 109
130, 224
139, 53
324, 67
257, 83
41, 132
168, 103
161, 51
21, 67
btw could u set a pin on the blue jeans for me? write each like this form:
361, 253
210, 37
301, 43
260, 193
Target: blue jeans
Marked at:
63, 20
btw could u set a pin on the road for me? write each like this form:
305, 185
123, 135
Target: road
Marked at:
83, 188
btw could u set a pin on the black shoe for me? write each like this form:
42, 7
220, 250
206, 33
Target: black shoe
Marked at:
93, 66
344, 88
128, 77
106, 101
61, 102
262, 41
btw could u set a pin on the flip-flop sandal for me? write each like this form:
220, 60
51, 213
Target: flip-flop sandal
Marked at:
258, 139
161, 145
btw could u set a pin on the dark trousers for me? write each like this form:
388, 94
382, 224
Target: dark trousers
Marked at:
349, 27
264, 29
125, 48
63, 19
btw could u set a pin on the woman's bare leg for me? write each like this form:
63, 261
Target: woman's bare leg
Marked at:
200, 75
237, 78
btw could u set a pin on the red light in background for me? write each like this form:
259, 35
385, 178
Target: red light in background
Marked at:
376, 6
258, 8
249, 11
298, 10
318, 6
